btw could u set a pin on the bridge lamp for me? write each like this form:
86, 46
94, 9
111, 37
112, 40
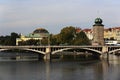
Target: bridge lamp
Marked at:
48, 39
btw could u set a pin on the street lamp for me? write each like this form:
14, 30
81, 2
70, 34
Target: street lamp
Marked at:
48, 39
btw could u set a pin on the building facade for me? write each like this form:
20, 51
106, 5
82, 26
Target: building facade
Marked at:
111, 35
37, 34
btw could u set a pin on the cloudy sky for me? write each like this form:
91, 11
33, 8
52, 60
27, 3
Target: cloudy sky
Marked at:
24, 16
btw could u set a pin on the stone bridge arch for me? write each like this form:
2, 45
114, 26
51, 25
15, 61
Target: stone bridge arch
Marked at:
27, 49
3, 50
60, 50
87, 49
37, 51
115, 50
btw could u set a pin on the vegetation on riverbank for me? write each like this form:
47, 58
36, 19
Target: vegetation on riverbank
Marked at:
67, 36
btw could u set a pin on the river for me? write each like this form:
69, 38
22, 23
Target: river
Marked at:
61, 70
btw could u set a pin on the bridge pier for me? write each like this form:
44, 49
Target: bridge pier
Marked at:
105, 51
47, 56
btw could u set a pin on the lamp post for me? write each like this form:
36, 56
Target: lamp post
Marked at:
48, 39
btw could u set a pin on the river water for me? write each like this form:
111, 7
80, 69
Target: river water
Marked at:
61, 70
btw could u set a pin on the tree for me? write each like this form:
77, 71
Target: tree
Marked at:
13, 38
9, 40
44, 41
29, 42
67, 35
32, 42
55, 39
81, 39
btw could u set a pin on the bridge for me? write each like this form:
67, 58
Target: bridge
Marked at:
50, 50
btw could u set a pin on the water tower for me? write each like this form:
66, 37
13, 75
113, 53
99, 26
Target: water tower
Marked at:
98, 32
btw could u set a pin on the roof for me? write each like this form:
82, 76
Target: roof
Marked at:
98, 22
40, 30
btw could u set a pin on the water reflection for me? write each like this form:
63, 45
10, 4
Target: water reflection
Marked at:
61, 70
18, 56
94, 70
47, 70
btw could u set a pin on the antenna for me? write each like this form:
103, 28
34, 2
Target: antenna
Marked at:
98, 13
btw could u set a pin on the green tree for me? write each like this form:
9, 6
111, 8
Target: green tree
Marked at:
81, 39
9, 40
31, 42
13, 38
67, 34
22, 43
44, 41
55, 39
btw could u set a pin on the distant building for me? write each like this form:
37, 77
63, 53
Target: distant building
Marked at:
111, 35
78, 30
88, 33
37, 34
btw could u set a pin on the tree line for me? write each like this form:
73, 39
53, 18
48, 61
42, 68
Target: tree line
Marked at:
67, 36
9, 39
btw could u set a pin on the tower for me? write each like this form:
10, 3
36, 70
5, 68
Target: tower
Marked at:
98, 32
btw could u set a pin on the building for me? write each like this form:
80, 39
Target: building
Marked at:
78, 30
108, 36
98, 32
37, 34
88, 33
111, 35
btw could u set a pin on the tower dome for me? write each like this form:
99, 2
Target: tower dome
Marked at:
98, 22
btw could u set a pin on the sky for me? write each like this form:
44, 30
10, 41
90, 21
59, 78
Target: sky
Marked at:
24, 16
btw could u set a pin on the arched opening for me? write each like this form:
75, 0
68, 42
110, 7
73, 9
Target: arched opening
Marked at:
115, 52
20, 55
76, 54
